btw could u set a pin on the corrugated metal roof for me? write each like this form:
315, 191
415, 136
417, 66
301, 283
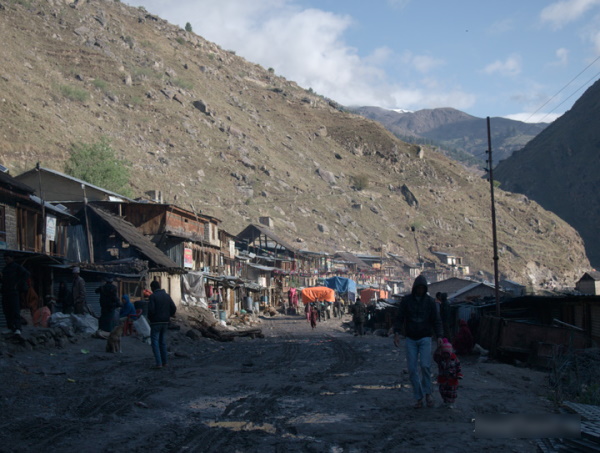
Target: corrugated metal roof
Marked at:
252, 231
136, 239
14, 184
80, 181
349, 257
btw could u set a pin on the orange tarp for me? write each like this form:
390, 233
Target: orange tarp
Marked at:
366, 295
318, 292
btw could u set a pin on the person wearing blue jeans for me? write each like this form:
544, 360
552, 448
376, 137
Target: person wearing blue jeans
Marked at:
160, 309
418, 318
158, 340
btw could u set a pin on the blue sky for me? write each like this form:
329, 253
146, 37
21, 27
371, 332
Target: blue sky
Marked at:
508, 58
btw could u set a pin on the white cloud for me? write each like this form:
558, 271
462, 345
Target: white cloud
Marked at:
501, 27
534, 117
563, 12
509, 67
425, 63
421, 63
308, 47
562, 57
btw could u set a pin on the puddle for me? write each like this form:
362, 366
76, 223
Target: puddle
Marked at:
375, 387
244, 426
318, 417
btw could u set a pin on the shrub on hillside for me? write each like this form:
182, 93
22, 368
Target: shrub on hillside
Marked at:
360, 182
97, 164
74, 93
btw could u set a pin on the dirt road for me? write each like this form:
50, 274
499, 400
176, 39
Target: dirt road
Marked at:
296, 390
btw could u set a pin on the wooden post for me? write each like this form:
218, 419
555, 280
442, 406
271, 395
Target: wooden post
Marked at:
87, 225
494, 236
37, 167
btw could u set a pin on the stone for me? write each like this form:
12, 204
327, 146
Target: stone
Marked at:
322, 132
247, 162
323, 228
169, 93
327, 176
409, 196
201, 105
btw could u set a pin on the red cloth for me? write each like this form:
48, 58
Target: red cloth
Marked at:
313, 317
41, 316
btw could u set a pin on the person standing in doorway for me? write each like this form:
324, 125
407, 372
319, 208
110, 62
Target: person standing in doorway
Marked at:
160, 309
418, 318
78, 292
14, 282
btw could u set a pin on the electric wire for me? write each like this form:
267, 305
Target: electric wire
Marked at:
560, 91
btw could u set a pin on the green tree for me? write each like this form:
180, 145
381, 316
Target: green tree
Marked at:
188, 27
97, 164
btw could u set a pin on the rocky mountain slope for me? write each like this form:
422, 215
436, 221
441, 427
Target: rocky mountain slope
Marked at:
559, 169
219, 134
458, 135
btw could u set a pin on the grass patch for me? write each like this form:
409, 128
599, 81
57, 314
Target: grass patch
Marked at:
142, 73
74, 93
180, 40
100, 84
136, 100
181, 83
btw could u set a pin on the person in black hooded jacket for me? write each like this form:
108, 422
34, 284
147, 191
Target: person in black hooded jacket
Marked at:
418, 319
160, 309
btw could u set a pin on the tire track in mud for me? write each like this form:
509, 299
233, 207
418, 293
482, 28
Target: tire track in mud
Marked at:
118, 404
347, 360
230, 431
289, 351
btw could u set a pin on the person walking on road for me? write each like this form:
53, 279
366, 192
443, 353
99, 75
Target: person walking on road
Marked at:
449, 372
337, 307
359, 315
313, 315
418, 318
109, 302
160, 309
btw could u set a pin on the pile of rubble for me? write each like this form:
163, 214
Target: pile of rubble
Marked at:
238, 325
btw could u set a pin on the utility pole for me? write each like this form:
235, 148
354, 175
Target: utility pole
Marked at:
413, 229
87, 225
44, 226
494, 236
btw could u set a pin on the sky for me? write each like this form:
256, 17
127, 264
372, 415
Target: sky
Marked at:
528, 60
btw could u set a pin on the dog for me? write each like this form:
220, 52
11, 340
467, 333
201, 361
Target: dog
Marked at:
113, 342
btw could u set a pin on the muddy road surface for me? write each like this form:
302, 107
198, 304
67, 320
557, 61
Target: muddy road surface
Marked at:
296, 390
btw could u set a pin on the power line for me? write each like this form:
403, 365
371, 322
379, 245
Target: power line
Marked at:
561, 90
571, 95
